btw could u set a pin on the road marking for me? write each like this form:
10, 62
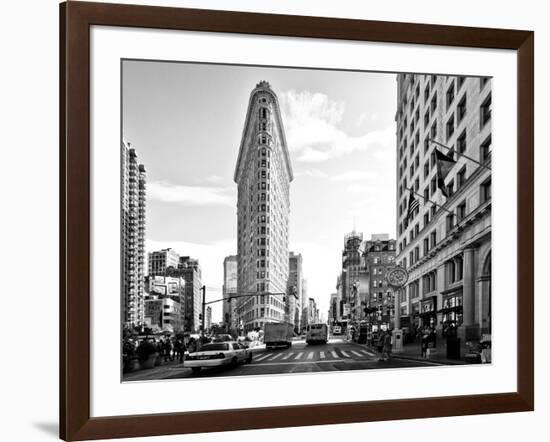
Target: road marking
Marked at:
275, 357
310, 355
298, 356
288, 355
334, 355
261, 358
344, 353
369, 353
357, 354
322, 355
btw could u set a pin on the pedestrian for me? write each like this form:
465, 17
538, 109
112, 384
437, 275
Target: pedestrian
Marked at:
387, 347
168, 350
424, 343
183, 349
380, 344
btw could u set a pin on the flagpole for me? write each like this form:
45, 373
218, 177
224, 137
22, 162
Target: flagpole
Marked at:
431, 140
433, 202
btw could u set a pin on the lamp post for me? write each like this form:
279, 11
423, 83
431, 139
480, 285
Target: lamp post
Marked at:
397, 277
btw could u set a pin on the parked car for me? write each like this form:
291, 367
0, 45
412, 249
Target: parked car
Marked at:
218, 354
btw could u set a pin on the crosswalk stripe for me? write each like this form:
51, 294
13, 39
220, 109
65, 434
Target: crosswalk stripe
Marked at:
288, 355
334, 355
298, 356
261, 358
278, 355
357, 354
322, 355
310, 355
344, 353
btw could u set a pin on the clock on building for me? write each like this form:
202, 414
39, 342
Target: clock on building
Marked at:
397, 276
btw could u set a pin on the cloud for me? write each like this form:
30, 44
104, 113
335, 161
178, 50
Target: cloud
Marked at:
312, 123
354, 175
350, 175
360, 188
214, 179
190, 195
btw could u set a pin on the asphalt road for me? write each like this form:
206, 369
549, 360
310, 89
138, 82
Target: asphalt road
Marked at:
336, 355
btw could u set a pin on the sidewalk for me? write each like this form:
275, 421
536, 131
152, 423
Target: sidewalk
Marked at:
153, 373
411, 352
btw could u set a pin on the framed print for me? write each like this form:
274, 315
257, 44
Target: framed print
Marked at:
303, 217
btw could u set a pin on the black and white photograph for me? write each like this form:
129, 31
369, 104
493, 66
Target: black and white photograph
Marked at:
283, 220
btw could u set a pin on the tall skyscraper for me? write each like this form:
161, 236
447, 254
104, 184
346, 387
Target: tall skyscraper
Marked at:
446, 246
132, 237
263, 174
190, 270
352, 274
230, 288
294, 298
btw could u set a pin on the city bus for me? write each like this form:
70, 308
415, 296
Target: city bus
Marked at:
317, 334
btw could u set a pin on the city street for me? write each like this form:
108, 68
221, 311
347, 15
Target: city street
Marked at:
336, 355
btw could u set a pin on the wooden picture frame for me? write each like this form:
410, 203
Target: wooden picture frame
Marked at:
75, 21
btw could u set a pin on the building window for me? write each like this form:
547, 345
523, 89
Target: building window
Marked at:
450, 126
426, 145
461, 211
485, 191
461, 178
433, 130
450, 96
461, 142
426, 195
485, 150
482, 82
433, 239
485, 111
460, 81
450, 222
451, 188
433, 104
451, 271
426, 168
461, 109
426, 246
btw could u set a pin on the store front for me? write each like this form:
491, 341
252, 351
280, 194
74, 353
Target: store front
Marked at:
452, 310
428, 312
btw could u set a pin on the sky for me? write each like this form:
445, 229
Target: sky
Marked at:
186, 120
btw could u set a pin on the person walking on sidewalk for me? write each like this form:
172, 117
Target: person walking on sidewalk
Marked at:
380, 344
424, 343
386, 351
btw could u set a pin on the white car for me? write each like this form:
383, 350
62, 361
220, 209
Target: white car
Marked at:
217, 354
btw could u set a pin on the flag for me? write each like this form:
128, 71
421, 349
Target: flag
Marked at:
444, 164
413, 205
